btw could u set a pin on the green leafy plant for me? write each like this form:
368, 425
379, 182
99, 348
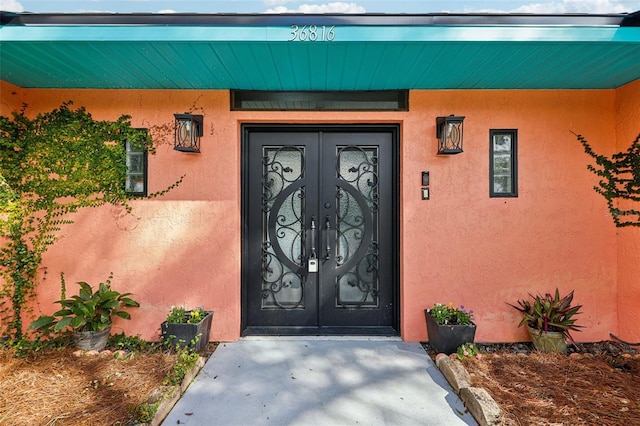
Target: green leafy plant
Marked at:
196, 315
179, 315
120, 341
176, 315
469, 350
88, 310
51, 166
187, 359
145, 412
28, 347
549, 313
448, 314
620, 181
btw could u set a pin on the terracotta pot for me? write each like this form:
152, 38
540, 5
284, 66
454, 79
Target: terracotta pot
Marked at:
550, 341
447, 338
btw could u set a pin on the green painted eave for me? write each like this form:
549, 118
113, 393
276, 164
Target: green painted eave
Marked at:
376, 56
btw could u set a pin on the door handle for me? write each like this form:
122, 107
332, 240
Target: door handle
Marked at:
327, 228
313, 238
312, 261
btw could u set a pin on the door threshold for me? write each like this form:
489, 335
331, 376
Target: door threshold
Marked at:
345, 338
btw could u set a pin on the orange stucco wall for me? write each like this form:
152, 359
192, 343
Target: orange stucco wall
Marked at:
460, 246
627, 129
466, 248
11, 98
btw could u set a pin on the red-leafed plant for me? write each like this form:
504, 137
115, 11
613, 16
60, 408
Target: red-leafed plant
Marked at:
549, 313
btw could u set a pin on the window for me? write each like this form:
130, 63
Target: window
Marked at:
503, 168
136, 183
376, 100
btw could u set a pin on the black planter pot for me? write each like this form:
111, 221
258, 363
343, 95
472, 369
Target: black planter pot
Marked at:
447, 338
184, 334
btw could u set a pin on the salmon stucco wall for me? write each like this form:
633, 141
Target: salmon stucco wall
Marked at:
179, 249
627, 130
465, 248
460, 246
11, 98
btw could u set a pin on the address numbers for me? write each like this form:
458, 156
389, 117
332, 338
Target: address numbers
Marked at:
312, 33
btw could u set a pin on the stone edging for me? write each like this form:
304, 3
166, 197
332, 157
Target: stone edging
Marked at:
169, 396
480, 404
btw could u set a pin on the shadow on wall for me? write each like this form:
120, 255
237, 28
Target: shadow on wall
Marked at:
168, 253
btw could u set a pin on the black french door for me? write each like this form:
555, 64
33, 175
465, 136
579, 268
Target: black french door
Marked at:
320, 234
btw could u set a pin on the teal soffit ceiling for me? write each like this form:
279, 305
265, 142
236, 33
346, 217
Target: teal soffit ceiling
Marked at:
319, 52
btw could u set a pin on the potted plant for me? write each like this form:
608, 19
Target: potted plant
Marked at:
449, 327
89, 314
187, 327
549, 319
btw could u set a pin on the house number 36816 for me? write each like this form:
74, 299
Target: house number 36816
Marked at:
312, 33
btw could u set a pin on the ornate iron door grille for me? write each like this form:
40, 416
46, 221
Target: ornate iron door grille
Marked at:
357, 227
320, 252
283, 226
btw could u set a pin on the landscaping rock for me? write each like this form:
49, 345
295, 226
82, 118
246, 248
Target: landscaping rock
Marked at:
481, 405
440, 355
157, 395
454, 372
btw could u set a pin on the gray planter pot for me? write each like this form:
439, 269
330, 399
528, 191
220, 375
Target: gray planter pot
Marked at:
447, 338
91, 340
183, 335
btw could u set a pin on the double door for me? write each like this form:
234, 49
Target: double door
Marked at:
320, 246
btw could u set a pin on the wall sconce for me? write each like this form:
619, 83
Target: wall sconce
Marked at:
189, 129
449, 134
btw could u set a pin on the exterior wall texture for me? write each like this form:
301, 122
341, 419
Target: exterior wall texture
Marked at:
464, 247
460, 246
11, 98
627, 129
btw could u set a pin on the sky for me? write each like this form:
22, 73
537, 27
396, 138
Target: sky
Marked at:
321, 6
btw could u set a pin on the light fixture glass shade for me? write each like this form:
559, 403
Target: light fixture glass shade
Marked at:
188, 130
449, 131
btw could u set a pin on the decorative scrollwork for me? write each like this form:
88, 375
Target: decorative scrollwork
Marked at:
359, 287
357, 167
279, 171
350, 225
283, 206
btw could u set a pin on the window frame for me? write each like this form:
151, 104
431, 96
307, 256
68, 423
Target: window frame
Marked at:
513, 160
145, 170
358, 100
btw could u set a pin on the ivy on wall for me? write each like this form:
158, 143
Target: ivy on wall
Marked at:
620, 181
51, 166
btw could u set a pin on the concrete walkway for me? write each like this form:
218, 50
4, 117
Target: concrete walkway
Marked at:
302, 381
323, 381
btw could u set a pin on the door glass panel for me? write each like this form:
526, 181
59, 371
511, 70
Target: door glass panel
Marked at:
357, 205
282, 228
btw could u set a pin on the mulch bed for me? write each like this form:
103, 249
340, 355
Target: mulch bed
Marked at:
55, 387
596, 384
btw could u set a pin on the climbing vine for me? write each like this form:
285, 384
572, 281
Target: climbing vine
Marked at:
51, 166
620, 181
